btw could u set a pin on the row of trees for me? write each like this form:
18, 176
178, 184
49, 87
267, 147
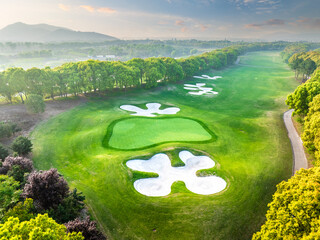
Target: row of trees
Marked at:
294, 212
100, 76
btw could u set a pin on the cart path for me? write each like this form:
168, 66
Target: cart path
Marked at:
299, 157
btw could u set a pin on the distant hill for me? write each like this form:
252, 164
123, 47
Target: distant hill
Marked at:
21, 32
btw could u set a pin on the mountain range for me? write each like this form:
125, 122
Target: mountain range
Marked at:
21, 32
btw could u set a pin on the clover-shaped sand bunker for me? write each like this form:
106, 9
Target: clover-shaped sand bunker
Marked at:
152, 109
161, 164
206, 77
199, 89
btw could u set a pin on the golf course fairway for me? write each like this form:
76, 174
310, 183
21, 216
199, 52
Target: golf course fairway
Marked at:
251, 150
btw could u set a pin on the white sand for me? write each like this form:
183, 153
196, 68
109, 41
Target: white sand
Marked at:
206, 77
152, 108
199, 89
161, 164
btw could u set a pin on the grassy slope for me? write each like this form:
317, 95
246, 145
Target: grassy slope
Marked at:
252, 152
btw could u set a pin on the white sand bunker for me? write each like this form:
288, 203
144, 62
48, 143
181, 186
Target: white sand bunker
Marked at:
161, 164
152, 108
206, 77
199, 89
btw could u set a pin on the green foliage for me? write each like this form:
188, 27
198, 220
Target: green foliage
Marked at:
311, 134
294, 212
69, 209
41, 227
292, 49
21, 145
303, 96
304, 63
9, 193
3, 152
7, 129
35, 104
18, 174
24, 211
97, 76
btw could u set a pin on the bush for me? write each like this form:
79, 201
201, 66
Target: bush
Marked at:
3, 152
69, 209
7, 129
47, 188
35, 104
23, 211
25, 163
86, 227
42, 227
21, 145
9, 193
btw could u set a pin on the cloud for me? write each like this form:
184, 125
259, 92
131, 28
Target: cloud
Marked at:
106, 10
307, 23
257, 6
179, 23
271, 22
88, 8
203, 27
63, 7
184, 29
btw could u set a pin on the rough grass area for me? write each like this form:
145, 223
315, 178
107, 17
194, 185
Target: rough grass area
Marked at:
252, 152
138, 133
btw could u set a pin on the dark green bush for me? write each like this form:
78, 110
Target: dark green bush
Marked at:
21, 145
3, 152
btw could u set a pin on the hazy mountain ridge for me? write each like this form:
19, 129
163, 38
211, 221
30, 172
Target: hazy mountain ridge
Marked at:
21, 32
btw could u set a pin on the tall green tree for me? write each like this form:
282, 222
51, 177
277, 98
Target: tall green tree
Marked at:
294, 212
17, 79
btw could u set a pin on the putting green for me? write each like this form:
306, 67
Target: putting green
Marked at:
139, 133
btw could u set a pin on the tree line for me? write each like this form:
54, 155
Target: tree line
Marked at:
76, 78
294, 211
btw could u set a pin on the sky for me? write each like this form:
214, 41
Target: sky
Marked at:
168, 19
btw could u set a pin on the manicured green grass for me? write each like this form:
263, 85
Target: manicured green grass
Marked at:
138, 133
252, 153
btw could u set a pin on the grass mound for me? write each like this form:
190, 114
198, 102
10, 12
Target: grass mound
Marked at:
138, 133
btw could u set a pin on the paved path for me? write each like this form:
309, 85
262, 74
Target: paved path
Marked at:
300, 160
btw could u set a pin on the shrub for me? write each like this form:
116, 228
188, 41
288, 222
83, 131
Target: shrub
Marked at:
21, 145
7, 129
46, 188
69, 209
86, 227
42, 227
35, 104
25, 163
9, 193
3, 152
23, 211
